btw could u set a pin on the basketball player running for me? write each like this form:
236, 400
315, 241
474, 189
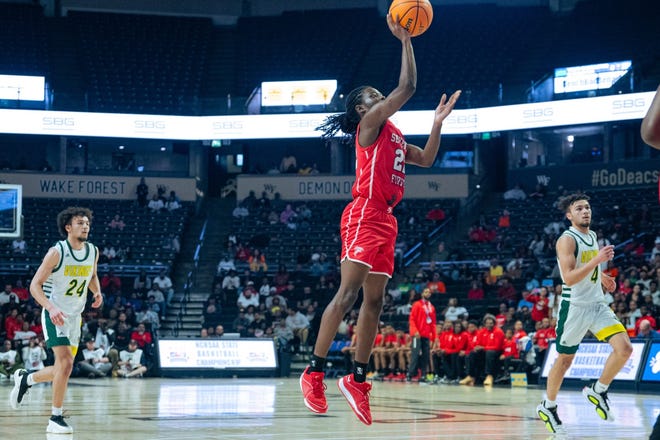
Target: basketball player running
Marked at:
60, 287
650, 131
368, 228
583, 308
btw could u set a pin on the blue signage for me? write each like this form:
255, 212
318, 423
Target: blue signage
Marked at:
651, 370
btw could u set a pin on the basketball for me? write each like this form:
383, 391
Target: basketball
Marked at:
414, 15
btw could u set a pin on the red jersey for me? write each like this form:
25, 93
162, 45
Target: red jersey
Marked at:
493, 339
380, 172
473, 339
455, 342
519, 334
541, 307
390, 340
379, 340
510, 349
542, 336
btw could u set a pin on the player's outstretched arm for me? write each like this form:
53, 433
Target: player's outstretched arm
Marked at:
426, 157
650, 129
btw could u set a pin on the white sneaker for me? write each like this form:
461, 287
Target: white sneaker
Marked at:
551, 419
57, 425
20, 388
600, 401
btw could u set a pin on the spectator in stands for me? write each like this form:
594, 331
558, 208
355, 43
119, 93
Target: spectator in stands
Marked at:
218, 331
436, 285
240, 211
506, 291
242, 253
442, 254
250, 202
19, 246
142, 283
173, 203
142, 336
299, 325
94, 363
257, 262
436, 214
646, 332
537, 245
505, 219
24, 334
131, 362
159, 297
248, 296
541, 337
142, 193
10, 361
117, 223
8, 297
164, 282
241, 323
20, 291
288, 217
34, 355
539, 192
264, 202
108, 254
225, 265
541, 304
515, 193
475, 292
495, 272
156, 204
288, 164
150, 314
454, 312
493, 342
110, 283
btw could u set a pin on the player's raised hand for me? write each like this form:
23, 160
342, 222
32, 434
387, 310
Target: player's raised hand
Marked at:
397, 30
446, 106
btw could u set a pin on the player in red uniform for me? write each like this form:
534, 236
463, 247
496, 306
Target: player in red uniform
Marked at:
368, 228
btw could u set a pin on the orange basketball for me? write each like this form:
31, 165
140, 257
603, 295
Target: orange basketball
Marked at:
414, 15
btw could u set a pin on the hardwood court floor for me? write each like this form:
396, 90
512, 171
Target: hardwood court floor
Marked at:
182, 409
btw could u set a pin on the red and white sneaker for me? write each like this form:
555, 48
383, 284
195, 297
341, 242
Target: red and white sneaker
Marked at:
357, 395
313, 389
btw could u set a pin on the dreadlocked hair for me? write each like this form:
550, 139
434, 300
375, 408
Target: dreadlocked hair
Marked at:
346, 122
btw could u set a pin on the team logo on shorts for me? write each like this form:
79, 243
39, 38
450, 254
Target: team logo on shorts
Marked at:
357, 250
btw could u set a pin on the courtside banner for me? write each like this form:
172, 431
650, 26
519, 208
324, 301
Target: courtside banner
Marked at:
217, 353
590, 360
76, 186
588, 177
418, 186
651, 372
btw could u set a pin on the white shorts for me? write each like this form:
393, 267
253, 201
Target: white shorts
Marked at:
66, 334
576, 319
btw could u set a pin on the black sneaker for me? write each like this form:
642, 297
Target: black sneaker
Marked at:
20, 388
57, 425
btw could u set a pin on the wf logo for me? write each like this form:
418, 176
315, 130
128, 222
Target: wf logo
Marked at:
543, 180
269, 188
435, 186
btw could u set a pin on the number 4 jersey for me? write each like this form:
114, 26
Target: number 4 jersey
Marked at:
589, 289
66, 287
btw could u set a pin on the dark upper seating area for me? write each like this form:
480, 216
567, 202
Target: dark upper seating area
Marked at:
23, 36
163, 65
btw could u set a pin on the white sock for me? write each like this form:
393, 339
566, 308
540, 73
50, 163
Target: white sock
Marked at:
550, 403
600, 387
30, 380
56, 411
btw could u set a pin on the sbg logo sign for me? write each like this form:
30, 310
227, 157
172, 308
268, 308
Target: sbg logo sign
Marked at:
147, 124
538, 114
57, 123
628, 105
227, 126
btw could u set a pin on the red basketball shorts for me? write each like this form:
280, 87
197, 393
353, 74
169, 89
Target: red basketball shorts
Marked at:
368, 234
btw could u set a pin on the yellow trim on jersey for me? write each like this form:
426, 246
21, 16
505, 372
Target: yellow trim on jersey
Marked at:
610, 331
